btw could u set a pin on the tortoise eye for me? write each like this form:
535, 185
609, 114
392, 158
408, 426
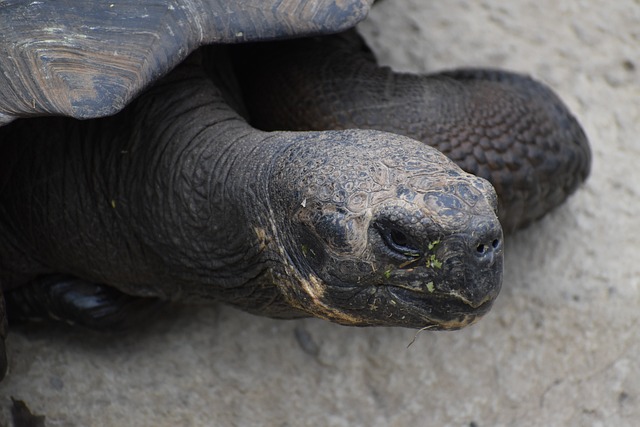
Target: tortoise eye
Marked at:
398, 238
397, 241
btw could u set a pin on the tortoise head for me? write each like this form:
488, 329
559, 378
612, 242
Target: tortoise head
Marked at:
378, 229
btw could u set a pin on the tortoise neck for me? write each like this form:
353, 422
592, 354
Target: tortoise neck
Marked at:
210, 218
167, 195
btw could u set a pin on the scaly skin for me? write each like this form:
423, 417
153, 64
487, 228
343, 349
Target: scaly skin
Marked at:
502, 126
178, 198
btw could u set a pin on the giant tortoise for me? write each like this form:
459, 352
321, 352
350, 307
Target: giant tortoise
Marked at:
287, 178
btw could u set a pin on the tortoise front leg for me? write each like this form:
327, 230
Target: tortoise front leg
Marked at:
78, 302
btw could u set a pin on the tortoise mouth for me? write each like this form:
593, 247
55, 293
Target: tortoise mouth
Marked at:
437, 310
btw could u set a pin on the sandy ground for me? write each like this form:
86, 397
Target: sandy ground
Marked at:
560, 347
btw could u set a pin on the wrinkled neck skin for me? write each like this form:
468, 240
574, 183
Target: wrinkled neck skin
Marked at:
179, 198
169, 201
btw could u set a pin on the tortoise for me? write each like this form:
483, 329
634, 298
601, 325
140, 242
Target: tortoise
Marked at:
204, 159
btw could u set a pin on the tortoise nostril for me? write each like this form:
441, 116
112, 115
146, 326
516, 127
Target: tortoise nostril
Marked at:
486, 250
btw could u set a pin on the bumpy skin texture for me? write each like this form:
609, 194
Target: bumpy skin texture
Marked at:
178, 198
504, 127
393, 228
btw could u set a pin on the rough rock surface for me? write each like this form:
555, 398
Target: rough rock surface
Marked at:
560, 347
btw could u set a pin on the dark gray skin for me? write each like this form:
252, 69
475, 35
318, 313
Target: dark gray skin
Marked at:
178, 198
505, 127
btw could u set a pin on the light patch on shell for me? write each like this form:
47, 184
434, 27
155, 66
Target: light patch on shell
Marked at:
263, 240
462, 298
316, 290
459, 324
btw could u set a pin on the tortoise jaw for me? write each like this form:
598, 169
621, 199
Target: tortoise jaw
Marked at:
445, 292
391, 305
446, 312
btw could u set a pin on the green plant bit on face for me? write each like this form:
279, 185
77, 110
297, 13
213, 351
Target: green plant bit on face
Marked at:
387, 274
431, 259
433, 262
430, 287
